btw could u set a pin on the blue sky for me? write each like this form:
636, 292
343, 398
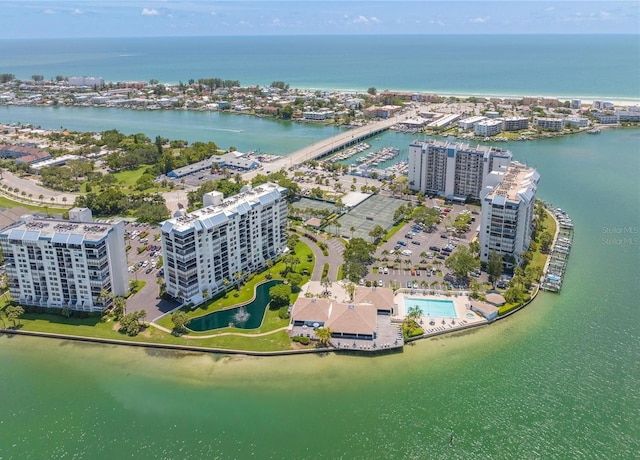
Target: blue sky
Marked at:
93, 18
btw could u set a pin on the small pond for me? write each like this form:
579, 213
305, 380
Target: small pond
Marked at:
248, 316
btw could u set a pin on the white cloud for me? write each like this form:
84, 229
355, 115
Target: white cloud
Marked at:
479, 20
365, 20
150, 12
76, 11
49, 11
549, 8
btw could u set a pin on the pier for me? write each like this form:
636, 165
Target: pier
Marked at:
559, 255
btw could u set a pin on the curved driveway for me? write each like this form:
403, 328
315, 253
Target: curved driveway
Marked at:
334, 259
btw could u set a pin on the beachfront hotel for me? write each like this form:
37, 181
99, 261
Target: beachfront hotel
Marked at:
452, 169
65, 263
206, 250
507, 211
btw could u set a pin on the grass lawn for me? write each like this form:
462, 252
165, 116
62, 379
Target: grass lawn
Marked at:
129, 178
246, 292
9, 203
93, 327
395, 229
540, 259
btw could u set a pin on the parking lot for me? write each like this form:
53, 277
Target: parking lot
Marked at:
144, 265
415, 254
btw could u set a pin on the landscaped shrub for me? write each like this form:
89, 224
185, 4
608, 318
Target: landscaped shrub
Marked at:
283, 312
302, 340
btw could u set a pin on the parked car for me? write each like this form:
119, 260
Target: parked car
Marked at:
380, 283
415, 242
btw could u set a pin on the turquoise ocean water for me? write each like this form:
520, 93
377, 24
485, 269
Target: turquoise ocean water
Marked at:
557, 380
555, 65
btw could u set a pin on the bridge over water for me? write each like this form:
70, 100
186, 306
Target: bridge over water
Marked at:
331, 145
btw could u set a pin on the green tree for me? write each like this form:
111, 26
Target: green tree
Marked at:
292, 241
494, 267
180, 321
119, 307
377, 233
323, 334
414, 313
372, 91
357, 255
546, 240
295, 280
14, 313
461, 262
280, 295
129, 324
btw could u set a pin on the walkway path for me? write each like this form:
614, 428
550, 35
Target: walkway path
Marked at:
260, 334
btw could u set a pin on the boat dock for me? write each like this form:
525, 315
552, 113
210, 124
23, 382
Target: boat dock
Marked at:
559, 254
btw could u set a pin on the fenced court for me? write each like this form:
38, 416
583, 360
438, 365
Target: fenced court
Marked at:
375, 210
307, 203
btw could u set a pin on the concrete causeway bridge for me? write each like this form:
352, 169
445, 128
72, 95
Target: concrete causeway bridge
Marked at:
331, 145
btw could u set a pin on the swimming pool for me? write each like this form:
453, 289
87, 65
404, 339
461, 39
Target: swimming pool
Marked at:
431, 307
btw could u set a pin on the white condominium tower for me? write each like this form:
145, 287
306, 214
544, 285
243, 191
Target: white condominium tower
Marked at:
61, 263
507, 211
452, 169
209, 248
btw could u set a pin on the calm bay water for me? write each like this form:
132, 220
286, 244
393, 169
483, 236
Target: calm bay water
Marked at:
557, 380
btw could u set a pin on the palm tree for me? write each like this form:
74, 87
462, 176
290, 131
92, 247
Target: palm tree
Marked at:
323, 334
352, 229
41, 198
414, 313
325, 282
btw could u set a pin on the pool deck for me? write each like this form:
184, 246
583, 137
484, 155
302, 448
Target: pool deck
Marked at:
434, 325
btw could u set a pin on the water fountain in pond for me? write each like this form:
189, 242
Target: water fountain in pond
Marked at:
241, 316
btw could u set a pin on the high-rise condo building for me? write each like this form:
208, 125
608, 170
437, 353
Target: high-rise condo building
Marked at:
208, 249
507, 211
65, 263
452, 169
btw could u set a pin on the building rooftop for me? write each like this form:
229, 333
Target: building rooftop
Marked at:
58, 231
462, 147
518, 183
210, 216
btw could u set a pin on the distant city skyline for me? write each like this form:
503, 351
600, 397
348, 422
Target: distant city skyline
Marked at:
94, 18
